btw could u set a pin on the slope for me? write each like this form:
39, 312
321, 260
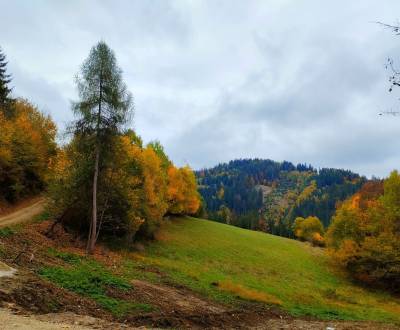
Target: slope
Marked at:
227, 263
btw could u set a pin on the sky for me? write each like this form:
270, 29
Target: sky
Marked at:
216, 80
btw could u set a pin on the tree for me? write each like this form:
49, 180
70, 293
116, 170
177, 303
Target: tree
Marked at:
309, 229
159, 150
27, 147
364, 233
5, 79
182, 194
225, 214
104, 106
394, 78
155, 190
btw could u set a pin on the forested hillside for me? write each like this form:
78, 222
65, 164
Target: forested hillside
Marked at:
267, 195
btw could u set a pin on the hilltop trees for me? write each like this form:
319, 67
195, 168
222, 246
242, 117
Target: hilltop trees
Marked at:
104, 106
268, 196
364, 234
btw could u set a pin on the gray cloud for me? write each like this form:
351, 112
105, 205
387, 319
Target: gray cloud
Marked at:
217, 80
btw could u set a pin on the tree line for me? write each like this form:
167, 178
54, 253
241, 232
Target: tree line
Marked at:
104, 181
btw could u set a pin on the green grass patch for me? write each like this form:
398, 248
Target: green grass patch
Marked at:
6, 232
42, 217
70, 258
230, 264
88, 278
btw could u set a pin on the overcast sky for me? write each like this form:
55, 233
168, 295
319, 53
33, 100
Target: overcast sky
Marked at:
301, 81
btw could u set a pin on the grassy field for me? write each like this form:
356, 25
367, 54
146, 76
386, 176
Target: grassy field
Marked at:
230, 265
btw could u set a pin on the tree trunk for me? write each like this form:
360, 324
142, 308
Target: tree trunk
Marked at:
93, 231
93, 227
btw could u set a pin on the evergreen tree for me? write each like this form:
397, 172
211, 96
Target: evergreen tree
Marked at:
104, 106
5, 79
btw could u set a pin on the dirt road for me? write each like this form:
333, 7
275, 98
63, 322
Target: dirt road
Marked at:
9, 321
25, 213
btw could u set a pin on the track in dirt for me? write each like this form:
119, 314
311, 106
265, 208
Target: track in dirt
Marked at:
23, 214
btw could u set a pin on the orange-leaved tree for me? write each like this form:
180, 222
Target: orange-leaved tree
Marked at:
364, 233
27, 146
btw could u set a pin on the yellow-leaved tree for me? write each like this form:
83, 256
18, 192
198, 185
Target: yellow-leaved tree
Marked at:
309, 229
183, 196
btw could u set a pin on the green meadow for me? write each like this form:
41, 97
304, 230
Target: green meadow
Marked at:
235, 266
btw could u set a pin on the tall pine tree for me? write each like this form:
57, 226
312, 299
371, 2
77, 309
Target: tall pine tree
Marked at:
5, 79
105, 105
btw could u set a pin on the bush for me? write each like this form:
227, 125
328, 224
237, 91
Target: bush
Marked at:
309, 229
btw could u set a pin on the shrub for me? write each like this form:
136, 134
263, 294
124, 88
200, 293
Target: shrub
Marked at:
309, 229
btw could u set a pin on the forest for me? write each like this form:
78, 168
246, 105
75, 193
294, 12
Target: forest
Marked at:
268, 196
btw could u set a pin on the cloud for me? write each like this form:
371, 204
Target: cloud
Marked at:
218, 80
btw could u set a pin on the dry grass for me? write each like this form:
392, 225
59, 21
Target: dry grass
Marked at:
249, 294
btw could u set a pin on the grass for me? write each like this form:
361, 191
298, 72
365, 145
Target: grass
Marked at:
70, 258
45, 215
230, 264
88, 278
6, 232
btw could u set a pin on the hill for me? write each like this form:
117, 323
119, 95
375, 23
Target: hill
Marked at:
204, 256
267, 195
197, 274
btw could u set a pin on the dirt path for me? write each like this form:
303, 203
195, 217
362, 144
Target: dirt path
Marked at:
23, 214
12, 321
6, 271
171, 299
52, 321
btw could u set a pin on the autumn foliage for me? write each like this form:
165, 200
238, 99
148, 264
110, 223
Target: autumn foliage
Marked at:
309, 229
364, 234
136, 189
27, 148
